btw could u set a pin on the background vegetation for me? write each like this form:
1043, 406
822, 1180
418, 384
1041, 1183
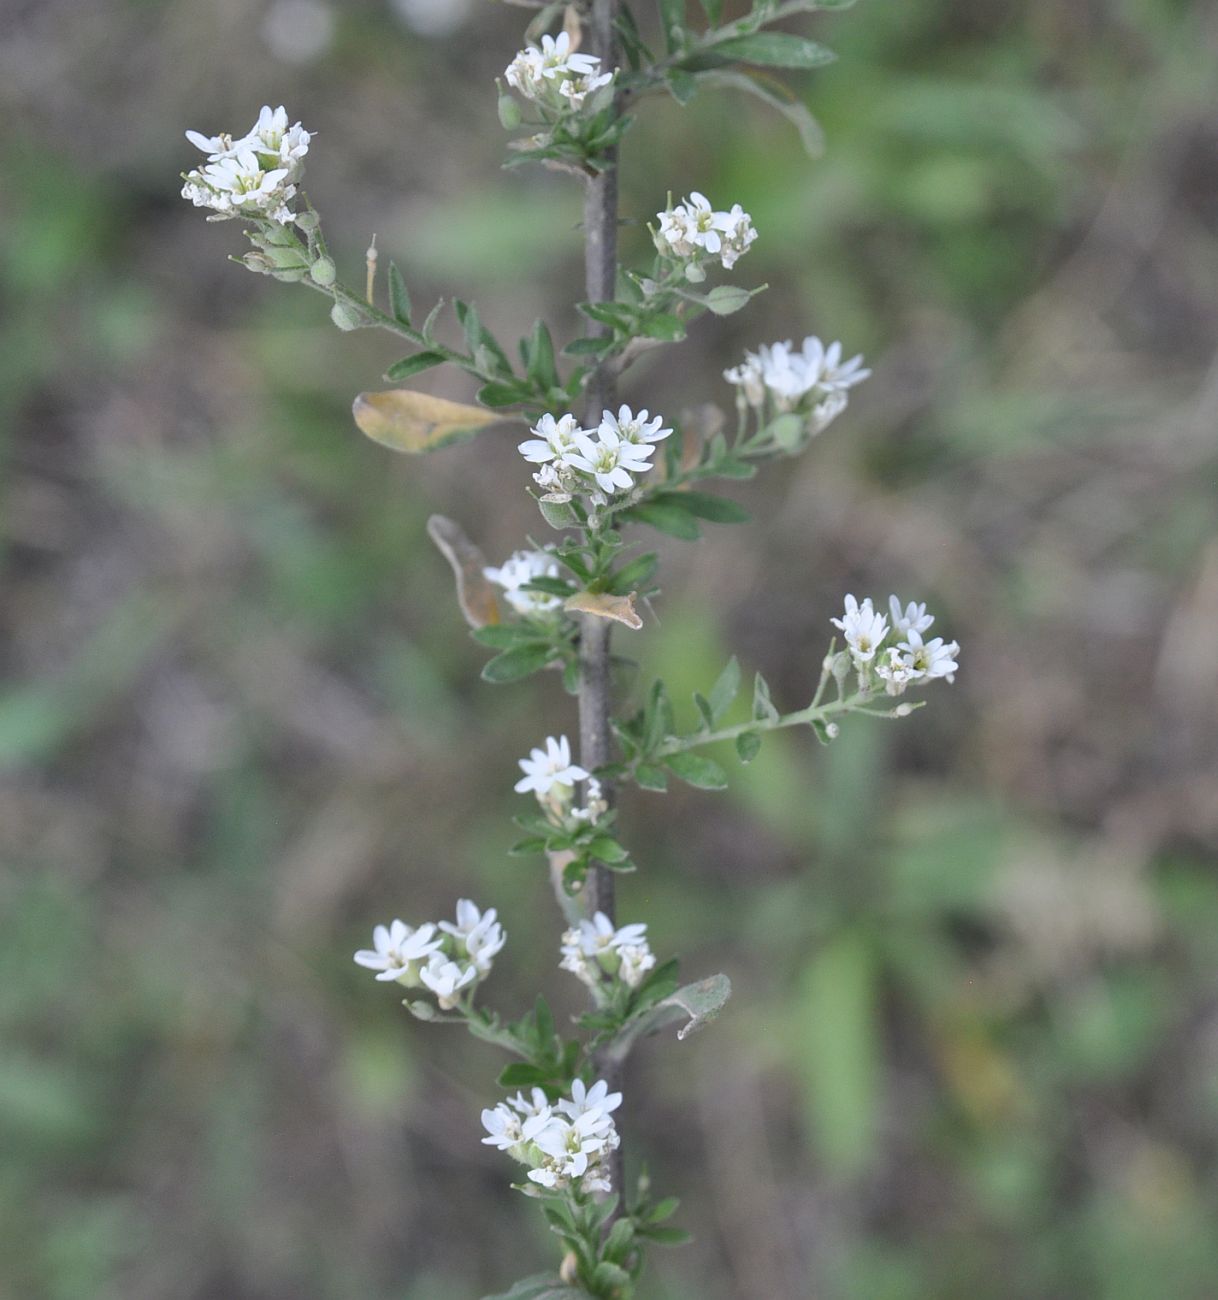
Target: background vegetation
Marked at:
974, 1045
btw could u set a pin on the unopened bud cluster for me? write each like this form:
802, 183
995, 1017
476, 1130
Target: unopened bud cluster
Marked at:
450, 959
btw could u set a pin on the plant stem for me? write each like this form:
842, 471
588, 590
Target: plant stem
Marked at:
595, 686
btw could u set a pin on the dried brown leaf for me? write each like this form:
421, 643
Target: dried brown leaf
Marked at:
404, 420
475, 594
603, 605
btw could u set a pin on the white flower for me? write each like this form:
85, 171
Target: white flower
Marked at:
609, 460
835, 375
577, 89
478, 933
521, 568
564, 1145
553, 75
692, 228
595, 949
446, 979
896, 671
594, 802
633, 428
930, 659
824, 413
546, 768
554, 441
254, 175
239, 186
913, 617
396, 948
863, 628
584, 1099
511, 1132
787, 376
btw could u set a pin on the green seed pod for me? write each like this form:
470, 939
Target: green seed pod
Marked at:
286, 259
509, 112
323, 271
344, 317
291, 276
307, 220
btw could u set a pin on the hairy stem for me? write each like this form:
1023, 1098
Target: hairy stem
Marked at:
595, 686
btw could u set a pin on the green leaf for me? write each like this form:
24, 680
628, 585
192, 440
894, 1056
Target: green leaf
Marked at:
697, 770
558, 514
414, 365
541, 1286
658, 723
682, 86
648, 777
772, 92
666, 1236
822, 731
704, 709
737, 469
713, 10
399, 298
836, 1043
665, 517
520, 1074
634, 576
763, 706
747, 745
586, 347
618, 1242
664, 326
775, 50
662, 1210
607, 850
500, 394
611, 1279
672, 18
725, 689
697, 1004
725, 299
526, 847
541, 369
521, 661
718, 510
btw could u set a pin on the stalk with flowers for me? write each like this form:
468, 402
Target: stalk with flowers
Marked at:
602, 473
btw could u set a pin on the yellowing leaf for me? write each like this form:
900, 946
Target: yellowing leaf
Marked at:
475, 594
602, 605
404, 420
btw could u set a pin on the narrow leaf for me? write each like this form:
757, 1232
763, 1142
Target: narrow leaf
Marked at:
718, 510
414, 365
696, 1004
399, 298
747, 745
636, 574
772, 92
665, 516
776, 50
763, 706
725, 689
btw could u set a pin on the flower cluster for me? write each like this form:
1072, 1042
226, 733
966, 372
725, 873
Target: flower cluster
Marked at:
601, 461
566, 1144
909, 661
446, 958
254, 176
554, 76
595, 952
813, 379
521, 569
693, 231
549, 772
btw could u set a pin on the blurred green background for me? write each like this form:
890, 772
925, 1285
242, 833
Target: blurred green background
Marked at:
973, 1050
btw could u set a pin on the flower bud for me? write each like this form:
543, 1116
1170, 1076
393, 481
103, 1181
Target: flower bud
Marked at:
694, 273
323, 272
308, 220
